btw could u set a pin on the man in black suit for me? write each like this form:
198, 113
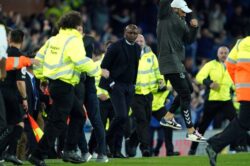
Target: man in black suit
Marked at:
121, 59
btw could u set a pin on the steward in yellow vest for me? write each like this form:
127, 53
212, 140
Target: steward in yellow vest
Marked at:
62, 59
215, 77
148, 80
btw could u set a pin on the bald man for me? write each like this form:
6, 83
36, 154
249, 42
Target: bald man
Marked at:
218, 87
148, 81
121, 59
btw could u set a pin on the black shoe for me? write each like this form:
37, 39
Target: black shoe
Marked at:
212, 155
13, 159
156, 152
36, 161
191, 152
72, 156
119, 155
173, 153
130, 149
146, 153
241, 149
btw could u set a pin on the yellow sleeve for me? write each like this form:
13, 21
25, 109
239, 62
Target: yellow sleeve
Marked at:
82, 63
38, 69
203, 73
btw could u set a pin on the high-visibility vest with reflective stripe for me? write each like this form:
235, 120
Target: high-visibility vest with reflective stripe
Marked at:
159, 98
148, 74
217, 72
99, 90
238, 65
63, 57
13, 63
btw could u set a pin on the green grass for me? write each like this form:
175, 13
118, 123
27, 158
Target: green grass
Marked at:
240, 159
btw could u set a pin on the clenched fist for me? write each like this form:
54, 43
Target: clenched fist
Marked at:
194, 23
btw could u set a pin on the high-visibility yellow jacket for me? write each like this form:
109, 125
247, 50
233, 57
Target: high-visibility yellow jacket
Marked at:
216, 71
159, 98
63, 57
238, 65
97, 81
148, 75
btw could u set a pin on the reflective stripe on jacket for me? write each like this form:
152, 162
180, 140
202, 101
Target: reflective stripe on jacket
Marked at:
63, 57
238, 65
215, 71
148, 75
97, 81
13, 63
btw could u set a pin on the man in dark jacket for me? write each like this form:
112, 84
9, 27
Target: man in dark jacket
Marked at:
121, 59
173, 32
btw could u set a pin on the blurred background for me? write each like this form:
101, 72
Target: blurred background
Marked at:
221, 23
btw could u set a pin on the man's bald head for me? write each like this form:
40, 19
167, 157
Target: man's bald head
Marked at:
140, 40
222, 53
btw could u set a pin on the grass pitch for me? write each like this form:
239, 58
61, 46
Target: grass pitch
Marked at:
240, 159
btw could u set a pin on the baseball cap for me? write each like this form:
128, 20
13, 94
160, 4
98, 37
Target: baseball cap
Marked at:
181, 4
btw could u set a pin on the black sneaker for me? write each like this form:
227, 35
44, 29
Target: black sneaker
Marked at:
170, 123
191, 152
173, 153
36, 161
73, 157
212, 155
13, 159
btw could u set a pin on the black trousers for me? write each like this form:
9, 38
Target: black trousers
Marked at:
65, 104
142, 109
107, 112
183, 86
211, 109
121, 97
168, 132
3, 123
237, 127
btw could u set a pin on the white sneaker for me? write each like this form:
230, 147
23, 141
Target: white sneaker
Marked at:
196, 137
86, 156
170, 123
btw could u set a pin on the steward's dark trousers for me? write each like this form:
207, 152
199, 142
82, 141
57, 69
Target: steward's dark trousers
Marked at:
237, 127
168, 132
183, 86
121, 97
65, 104
3, 123
211, 109
142, 108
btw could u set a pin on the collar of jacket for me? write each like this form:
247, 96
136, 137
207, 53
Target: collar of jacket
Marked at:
71, 32
146, 49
